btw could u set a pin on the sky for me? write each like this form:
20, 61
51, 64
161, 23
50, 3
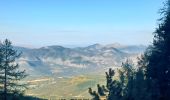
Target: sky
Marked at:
36, 23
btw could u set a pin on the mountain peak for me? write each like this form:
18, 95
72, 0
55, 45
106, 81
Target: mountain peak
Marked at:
96, 46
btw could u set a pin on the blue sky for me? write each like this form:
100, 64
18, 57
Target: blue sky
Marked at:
78, 22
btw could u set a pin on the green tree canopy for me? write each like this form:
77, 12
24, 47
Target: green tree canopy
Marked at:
10, 74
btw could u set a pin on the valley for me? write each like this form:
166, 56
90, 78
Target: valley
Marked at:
60, 72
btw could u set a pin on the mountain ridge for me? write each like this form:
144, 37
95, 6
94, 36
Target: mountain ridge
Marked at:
63, 61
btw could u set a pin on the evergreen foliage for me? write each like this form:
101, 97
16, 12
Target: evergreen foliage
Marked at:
10, 75
94, 94
157, 58
151, 79
116, 89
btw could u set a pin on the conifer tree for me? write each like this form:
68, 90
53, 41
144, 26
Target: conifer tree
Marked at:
100, 90
116, 89
114, 86
10, 74
157, 58
151, 80
94, 94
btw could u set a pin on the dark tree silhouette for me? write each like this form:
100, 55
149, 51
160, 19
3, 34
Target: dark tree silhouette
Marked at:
100, 90
113, 86
151, 79
116, 89
94, 94
157, 58
10, 74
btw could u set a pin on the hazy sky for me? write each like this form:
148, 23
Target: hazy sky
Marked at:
78, 22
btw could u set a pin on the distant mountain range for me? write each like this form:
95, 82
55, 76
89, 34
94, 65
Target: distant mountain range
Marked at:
62, 61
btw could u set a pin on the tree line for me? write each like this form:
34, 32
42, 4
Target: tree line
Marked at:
150, 80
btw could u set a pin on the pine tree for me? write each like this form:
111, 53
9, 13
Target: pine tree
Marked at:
117, 87
100, 90
10, 74
157, 58
1, 68
112, 88
94, 94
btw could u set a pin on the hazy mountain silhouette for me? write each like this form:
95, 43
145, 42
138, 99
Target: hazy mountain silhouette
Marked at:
72, 61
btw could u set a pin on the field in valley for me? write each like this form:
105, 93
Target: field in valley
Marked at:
63, 87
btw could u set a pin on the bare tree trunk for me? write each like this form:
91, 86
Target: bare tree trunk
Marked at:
5, 81
5, 89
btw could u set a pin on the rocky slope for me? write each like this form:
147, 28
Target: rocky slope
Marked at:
62, 61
